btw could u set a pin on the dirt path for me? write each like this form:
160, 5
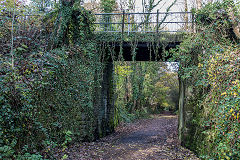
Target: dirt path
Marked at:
146, 139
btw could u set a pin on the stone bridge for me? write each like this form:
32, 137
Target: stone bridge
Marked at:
167, 30
148, 33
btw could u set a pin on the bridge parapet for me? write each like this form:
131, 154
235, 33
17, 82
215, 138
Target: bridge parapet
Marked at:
171, 22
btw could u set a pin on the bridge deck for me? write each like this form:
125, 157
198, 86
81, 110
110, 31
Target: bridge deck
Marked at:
171, 22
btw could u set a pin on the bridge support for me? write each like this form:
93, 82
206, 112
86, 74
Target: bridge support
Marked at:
105, 119
181, 118
186, 111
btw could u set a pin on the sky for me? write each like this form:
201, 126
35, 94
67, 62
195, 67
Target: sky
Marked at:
162, 6
178, 7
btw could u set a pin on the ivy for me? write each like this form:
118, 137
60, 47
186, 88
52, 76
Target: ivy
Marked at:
49, 93
210, 65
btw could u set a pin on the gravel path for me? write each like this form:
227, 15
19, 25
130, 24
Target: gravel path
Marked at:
146, 139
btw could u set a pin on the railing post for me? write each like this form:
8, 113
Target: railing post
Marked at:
142, 25
123, 17
157, 20
186, 21
192, 22
128, 24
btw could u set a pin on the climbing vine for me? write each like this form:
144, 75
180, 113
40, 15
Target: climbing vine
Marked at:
47, 98
51, 96
210, 67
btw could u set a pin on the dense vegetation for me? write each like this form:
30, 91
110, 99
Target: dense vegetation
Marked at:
51, 76
47, 85
143, 88
210, 66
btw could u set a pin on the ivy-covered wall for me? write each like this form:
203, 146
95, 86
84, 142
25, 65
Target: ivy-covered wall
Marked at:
210, 69
66, 100
53, 90
59, 89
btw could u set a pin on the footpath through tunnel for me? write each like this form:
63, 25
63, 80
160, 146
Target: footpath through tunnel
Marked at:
154, 138
72, 80
84, 83
140, 85
145, 78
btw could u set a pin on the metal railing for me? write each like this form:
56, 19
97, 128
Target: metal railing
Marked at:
144, 22
27, 29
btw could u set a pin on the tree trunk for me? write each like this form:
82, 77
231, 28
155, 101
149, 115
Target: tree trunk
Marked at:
186, 15
67, 2
235, 23
199, 4
126, 90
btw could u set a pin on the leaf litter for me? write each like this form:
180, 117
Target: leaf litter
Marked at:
145, 139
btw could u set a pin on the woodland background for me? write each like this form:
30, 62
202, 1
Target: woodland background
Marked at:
51, 66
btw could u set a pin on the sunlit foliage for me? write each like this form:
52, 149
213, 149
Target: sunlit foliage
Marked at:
210, 65
143, 88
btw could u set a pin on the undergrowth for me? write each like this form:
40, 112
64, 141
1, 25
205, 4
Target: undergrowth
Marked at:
210, 64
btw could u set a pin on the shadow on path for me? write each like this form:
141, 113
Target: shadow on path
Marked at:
146, 139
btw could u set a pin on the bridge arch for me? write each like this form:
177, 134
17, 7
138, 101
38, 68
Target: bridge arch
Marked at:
147, 47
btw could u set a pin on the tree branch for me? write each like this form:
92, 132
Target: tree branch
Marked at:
12, 54
168, 9
235, 23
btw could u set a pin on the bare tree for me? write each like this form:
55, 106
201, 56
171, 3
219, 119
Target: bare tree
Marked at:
150, 5
234, 15
199, 4
186, 15
128, 5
